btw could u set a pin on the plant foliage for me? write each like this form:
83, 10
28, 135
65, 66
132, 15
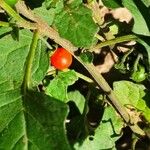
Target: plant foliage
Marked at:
43, 108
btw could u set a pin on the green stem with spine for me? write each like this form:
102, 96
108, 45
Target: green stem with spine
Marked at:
29, 62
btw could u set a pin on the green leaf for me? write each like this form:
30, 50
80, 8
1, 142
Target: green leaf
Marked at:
68, 77
146, 43
11, 3
146, 113
78, 99
58, 86
4, 31
13, 56
128, 92
112, 3
32, 121
56, 5
40, 64
140, 24
15, 33
106, 134
77, 26
87, 57
75, 3
45, 121
114, 29
51, 3
36, 125
57, 89
46, 15
135, 95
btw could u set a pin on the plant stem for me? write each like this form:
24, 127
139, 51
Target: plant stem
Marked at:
85, 111
29, 62
135, 67
4, 24
115, 41
16, 16
46, 43
83, 77
10, 10
99, 37
51, 72
126, 55
51, 33
147, 47
89, 1
108, 91
98, 78
113, 99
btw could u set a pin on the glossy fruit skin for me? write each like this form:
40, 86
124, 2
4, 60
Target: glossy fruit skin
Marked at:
61, 59
11, 2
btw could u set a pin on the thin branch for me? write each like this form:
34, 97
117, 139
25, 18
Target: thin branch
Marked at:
44, 28
4, 24
115, 41
85, 78
20, 21
46, 43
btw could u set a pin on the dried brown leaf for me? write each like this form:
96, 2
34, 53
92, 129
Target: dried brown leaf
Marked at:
122, 14
109, 60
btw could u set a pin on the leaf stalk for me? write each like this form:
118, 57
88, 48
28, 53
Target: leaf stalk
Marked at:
117, 40
29, 62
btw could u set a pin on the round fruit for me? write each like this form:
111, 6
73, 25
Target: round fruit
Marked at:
139, 75
61, 59
11, 2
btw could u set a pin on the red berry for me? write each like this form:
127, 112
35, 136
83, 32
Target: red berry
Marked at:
61, 59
